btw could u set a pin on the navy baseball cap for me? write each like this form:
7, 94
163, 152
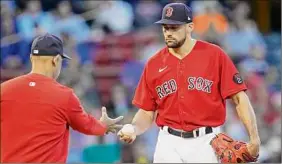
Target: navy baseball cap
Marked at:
176, 14
48, 45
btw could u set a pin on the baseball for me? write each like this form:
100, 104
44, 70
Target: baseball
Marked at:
128, 129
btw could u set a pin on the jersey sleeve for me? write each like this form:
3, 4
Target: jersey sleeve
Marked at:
230, 80
143, 97
79, 120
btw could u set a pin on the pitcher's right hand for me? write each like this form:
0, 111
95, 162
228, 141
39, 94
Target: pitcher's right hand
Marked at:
127, 134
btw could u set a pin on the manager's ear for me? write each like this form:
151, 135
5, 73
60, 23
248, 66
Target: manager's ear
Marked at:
31, 58
56, 60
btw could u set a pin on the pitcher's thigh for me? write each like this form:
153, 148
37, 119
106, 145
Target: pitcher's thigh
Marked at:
209, 155
205, 154
166, 156
164, 153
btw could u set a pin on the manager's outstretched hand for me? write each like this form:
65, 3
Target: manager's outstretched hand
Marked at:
111, 124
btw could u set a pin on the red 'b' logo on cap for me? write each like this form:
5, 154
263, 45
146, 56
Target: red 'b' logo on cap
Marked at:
169, 11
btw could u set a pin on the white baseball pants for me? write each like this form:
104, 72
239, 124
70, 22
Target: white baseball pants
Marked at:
174, 149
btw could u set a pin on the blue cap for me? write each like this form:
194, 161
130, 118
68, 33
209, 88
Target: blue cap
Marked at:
48, 45
176, 13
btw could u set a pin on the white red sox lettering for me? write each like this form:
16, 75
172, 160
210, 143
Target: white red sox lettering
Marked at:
170, 86
200, 84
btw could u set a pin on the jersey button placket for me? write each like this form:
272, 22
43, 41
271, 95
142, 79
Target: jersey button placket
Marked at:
182, 78
180, 90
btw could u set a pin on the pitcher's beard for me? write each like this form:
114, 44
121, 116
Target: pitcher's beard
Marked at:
175, 44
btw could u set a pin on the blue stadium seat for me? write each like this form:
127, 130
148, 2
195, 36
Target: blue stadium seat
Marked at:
106, 153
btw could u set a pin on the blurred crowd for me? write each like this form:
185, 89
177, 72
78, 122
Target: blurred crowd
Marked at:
110, 41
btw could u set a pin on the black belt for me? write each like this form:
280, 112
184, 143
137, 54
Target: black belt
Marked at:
191, 134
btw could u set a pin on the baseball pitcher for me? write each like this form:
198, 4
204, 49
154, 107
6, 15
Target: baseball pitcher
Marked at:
183, 89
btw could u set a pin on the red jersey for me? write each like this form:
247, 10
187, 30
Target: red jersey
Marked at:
36, 113
188, 93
